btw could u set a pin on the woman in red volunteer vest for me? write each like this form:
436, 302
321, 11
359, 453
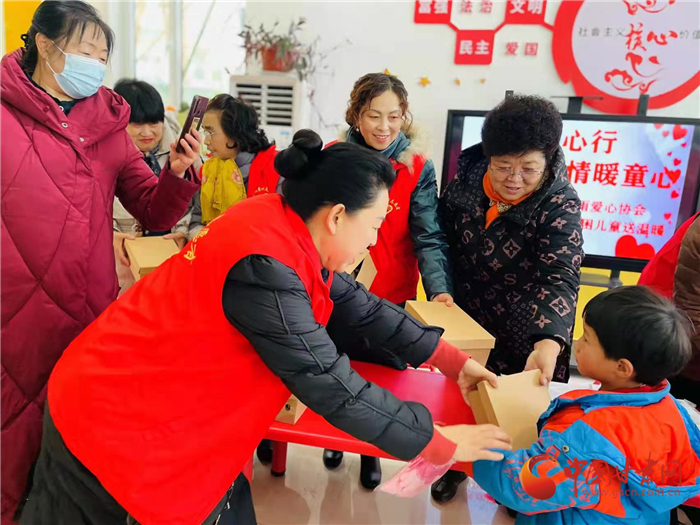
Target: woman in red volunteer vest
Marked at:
411, 242
235, 143
154, 410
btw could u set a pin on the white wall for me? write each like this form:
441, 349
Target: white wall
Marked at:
384, 35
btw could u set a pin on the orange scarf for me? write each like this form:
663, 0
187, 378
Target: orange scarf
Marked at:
493, 213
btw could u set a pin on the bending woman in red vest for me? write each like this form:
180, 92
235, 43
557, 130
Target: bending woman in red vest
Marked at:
146, 421
233, 138
411, 240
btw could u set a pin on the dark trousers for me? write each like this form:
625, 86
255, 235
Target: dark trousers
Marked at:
65, 492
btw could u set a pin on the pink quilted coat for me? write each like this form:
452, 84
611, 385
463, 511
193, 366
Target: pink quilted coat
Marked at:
58, 180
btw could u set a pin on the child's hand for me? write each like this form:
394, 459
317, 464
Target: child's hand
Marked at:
474, 441
473, 373
443, 298
544, 358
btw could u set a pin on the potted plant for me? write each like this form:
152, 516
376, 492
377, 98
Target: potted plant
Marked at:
278, 51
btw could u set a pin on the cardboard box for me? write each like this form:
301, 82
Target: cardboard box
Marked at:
515, 406
460, 329
291, 411
358, 261
147, 253
367, 273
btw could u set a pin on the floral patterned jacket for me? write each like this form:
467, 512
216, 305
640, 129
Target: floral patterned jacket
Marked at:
520, 277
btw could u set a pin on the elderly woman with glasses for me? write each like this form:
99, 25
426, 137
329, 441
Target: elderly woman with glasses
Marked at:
512, 221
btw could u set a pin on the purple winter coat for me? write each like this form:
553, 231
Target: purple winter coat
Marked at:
59, 177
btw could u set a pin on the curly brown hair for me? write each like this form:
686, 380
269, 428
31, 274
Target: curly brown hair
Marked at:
371, 86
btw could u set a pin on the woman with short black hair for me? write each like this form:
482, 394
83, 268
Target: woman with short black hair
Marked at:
144, 422
512, 220
152, 129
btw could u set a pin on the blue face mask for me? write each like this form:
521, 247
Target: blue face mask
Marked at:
81, 76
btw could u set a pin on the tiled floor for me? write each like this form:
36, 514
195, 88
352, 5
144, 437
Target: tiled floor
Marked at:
309, 493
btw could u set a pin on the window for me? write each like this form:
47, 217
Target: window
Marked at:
186, 47
211, 48
152, 45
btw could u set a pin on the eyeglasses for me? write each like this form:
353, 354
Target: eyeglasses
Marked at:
206, 134
527, 175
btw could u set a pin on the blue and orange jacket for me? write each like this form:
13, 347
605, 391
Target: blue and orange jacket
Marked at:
601, 458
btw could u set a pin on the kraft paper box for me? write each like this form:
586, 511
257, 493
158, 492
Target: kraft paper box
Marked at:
368, 271
460, 329
147, 253
291, 411
515, 406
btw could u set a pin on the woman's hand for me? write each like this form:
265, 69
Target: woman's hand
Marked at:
119, 250
544, 358
473, 373
179, 162
443, 298
179, 238
474, 441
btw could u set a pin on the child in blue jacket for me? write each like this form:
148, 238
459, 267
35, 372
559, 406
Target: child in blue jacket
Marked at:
628, 453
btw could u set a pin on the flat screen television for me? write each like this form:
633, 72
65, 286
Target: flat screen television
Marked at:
638, 179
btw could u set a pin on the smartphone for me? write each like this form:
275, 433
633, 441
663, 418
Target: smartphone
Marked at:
194, 119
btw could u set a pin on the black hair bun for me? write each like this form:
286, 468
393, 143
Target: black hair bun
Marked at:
293, 163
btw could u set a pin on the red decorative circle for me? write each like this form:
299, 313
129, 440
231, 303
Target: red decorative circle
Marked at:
568, 70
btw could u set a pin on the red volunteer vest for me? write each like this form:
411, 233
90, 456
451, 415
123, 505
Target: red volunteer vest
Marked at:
161, 398
263, 177
659, 273
397, 267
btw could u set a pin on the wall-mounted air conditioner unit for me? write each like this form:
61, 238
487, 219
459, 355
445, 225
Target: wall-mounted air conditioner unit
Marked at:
281, 101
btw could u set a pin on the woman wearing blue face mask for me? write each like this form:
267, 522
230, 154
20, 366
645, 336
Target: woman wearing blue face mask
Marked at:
65, 155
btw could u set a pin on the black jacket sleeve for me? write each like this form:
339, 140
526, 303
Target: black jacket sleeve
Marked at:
429, 241
369, 329
267, 302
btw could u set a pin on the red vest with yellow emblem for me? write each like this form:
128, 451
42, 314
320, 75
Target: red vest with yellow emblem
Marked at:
263, 177
161, 398
397, 266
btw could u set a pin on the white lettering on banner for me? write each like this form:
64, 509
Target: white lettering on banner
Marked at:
441, 7
482, 47
535, 7
518, 7
466, 47
425, 8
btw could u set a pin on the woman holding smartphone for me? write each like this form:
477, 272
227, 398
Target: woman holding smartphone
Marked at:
66, 153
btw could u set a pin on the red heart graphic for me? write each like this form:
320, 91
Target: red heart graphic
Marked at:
627, 247
667, 216
684, 145
658, 126
665, 133
670, 153
675, 194
676, 162
673, 175
679, 132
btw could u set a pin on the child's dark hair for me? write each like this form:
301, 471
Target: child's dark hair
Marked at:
371, 86
340, 174
60, 21
239, 121
521, 124
145, 101
634, 323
